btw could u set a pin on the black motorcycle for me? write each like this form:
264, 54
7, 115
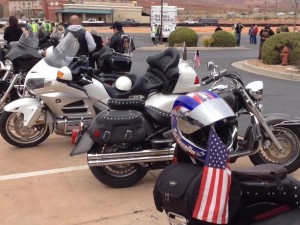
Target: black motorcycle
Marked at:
198, 188
270, 138
20, 58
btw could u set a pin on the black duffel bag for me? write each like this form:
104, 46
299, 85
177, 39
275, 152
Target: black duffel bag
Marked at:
177, 187
117, 127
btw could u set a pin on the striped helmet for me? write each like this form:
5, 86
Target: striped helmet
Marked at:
193, 115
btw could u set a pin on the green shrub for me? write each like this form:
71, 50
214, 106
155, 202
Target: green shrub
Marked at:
207, 40
182, 34
272, 47
223, 39
283, 28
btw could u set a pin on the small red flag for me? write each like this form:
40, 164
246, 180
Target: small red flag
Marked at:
197, 58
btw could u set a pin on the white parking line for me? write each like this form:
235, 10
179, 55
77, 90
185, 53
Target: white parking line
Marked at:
42, 172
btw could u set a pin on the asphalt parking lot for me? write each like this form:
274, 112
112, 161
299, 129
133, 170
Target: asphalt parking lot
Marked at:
44, 185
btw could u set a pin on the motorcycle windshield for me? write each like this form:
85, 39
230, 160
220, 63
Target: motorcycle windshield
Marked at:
63, 54
29, 40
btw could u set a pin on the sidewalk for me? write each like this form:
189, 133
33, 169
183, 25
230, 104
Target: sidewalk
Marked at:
275, 71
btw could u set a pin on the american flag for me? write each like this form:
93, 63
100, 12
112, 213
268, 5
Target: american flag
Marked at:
212, 200
197, 58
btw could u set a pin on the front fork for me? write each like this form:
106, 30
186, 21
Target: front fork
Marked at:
9, 89
263, 123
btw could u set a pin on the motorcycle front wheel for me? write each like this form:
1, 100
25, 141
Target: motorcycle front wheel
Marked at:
121, 175
268, 153
13, 131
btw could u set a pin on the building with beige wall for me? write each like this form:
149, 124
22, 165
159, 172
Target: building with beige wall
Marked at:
107, 11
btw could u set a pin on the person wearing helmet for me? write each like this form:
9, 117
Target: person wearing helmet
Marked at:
193, 116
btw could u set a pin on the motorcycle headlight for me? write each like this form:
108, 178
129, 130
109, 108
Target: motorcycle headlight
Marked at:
35, 83
255, 89
8, 64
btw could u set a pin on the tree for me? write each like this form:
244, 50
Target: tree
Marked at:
295, 4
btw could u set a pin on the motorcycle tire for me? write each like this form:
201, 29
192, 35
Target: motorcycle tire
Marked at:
290, 143
12, 120
118, 176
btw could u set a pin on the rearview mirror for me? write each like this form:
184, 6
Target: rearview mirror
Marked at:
210, 65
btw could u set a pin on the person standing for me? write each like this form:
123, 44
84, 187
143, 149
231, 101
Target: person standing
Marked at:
238, 31
251, 34
120, 41
218, 28
264, 34
255, 32
85, 39
35, 27
157, 34
13, 32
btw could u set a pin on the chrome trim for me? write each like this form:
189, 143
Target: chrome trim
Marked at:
150, 155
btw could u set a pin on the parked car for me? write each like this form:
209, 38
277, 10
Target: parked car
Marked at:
191, 21
3, 22
93, 22
129, 23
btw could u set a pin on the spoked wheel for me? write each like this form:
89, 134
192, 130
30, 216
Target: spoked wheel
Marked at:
13, 131
289, 158
121, 175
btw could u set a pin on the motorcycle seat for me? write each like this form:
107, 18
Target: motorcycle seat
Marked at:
266, 172
160, 116
122, 104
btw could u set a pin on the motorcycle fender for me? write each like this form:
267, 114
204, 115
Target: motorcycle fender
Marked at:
83, 145
27, 106
290, 122
276, 116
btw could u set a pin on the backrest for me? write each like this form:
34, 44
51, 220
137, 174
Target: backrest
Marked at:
165, 66
165, 60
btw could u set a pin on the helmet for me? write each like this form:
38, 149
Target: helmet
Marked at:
123, 83
193, 116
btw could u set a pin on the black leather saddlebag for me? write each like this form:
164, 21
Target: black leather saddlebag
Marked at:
117, 127
177, 187
119, 63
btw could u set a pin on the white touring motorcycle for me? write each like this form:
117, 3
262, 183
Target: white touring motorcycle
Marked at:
61, 93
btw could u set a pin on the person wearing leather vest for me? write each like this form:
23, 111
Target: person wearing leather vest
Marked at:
85, 39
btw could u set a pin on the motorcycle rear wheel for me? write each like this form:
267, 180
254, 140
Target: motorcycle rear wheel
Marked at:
290, 158
12, 131
117, 176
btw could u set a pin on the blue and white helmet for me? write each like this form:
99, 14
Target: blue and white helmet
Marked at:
192, 117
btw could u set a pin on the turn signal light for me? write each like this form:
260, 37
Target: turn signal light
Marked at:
60, 74
197, 80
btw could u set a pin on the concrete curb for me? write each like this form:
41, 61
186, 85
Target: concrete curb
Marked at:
200, 48
244, 65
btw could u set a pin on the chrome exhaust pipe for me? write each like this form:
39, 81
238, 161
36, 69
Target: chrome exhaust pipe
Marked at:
151, 155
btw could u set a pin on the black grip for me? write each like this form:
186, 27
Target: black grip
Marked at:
204, 78
209, 80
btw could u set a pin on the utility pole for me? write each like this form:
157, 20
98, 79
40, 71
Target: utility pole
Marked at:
161, 21
265, 7
275, 7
